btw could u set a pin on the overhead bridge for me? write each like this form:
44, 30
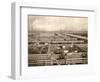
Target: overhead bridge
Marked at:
77, 36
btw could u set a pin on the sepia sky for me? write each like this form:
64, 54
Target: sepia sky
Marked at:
55, 23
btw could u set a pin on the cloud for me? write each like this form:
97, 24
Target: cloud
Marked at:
54, 23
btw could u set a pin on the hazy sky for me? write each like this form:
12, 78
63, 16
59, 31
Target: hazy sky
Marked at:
54, 23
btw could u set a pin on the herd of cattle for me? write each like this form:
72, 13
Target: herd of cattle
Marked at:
55, 48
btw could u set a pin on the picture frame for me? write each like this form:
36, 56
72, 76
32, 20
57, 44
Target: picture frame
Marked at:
23, 13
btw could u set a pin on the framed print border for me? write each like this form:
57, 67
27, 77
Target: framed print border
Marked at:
18, 66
